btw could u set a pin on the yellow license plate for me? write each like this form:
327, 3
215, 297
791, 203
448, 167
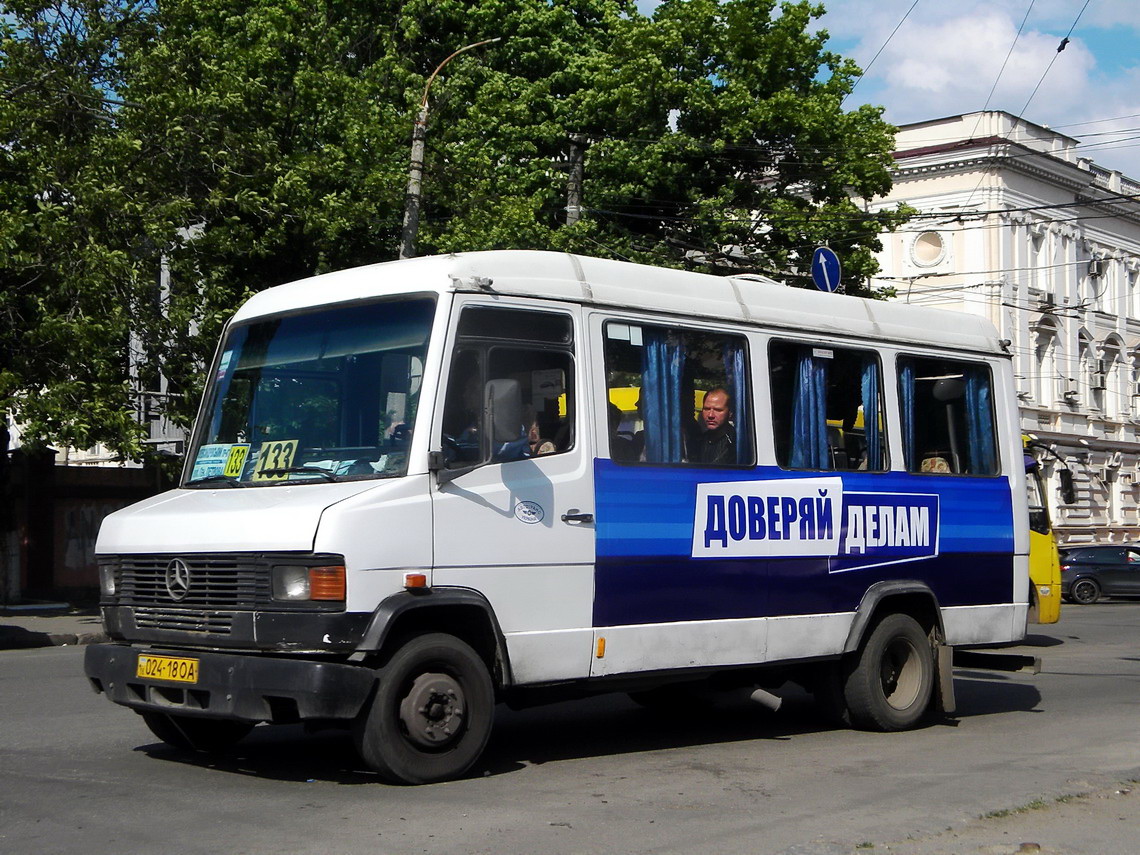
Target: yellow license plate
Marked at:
167, 668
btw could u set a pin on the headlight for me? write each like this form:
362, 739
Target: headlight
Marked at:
297, 583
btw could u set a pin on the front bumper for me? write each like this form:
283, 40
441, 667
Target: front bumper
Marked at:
251, 688
313, 631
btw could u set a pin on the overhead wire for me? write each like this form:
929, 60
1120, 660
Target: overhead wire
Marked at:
1053, 59
882, 47
1005, 62
1040, 80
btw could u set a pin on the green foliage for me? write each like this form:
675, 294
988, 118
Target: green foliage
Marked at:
72, 264
238, 147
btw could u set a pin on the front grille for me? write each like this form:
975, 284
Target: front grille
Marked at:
220, 592
215, 582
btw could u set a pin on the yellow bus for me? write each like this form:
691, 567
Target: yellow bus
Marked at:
1044, 558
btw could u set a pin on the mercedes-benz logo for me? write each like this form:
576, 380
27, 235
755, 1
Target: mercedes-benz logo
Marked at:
178, 579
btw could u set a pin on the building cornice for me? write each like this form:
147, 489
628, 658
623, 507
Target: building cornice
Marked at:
989, 153
995, 153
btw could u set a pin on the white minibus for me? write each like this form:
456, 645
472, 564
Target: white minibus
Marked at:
418, 489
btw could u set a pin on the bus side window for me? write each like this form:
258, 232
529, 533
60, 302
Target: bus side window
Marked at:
514, 362
947, 416
827, 407
677, 396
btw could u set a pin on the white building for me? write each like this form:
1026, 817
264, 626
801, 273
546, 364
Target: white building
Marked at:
1015, 225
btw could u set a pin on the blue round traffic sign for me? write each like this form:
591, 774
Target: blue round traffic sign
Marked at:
825, 269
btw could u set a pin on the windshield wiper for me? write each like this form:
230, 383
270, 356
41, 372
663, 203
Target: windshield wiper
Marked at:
327, 474
213, 479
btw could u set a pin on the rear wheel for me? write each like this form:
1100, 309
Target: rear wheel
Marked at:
196, 734
892, 681
1085, 592
431, 715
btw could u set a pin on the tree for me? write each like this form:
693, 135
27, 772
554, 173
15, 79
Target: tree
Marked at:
740, 155
72, 252
241, 148
717, 137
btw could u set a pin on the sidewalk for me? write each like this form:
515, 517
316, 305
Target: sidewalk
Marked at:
47, 625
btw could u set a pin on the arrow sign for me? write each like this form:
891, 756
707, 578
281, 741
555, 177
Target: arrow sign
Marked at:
825, 269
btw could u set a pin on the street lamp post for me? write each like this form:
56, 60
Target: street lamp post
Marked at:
413, 197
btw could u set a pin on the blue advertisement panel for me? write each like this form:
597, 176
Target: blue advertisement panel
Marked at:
692, 543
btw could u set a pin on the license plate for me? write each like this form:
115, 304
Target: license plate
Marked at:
167, 668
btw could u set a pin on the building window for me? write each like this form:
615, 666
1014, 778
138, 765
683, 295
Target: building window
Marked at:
1132, 388
928, 249
1045, 374
1112, 380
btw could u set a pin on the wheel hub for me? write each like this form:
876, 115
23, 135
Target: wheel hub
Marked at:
432, 712
900, 675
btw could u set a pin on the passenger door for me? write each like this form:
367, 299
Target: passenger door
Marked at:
515, 520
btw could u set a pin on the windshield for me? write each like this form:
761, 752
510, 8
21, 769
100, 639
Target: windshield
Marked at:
1038, 512
327, 395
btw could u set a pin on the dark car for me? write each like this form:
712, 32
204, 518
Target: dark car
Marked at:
1090, 572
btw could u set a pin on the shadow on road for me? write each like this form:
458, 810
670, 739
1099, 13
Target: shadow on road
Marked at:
279, 752
596, 727
984, 693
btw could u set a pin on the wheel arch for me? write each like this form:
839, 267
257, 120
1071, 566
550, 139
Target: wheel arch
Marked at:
461, 612
901, 596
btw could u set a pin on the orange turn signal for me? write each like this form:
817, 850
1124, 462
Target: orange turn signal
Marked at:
326, 583
415, 580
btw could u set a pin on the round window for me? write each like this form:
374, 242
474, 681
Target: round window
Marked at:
928, 249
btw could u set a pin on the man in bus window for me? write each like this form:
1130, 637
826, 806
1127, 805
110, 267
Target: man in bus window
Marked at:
716, 443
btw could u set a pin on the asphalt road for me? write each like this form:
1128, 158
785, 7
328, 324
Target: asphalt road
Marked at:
1029, 758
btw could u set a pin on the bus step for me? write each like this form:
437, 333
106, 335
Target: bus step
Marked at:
997, 661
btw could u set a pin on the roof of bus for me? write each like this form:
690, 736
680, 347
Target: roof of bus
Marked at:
620, 284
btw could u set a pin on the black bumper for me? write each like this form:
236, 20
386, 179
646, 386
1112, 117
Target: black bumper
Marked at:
233, 686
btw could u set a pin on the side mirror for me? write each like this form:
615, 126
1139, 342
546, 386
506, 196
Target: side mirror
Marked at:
1068, 492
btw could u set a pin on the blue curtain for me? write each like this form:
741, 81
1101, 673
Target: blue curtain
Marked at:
871, 424
735, 371
663, 358
809, 414
906, 402
980, 423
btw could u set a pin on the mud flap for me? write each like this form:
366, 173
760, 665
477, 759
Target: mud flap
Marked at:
944, 666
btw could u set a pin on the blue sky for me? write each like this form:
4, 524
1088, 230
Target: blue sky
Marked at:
947, 55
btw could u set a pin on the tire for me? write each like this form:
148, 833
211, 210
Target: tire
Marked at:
1085, 591
187, 733
431, 714
890, 682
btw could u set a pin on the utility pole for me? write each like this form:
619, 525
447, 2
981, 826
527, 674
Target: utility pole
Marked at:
574, 183
414, 195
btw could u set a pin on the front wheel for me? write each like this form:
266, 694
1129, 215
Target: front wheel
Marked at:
1085, 592
431, 715
892, 681
195, 734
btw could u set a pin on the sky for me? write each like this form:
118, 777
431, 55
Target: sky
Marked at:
948, 57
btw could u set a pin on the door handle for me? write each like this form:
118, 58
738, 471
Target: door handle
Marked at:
577, 517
